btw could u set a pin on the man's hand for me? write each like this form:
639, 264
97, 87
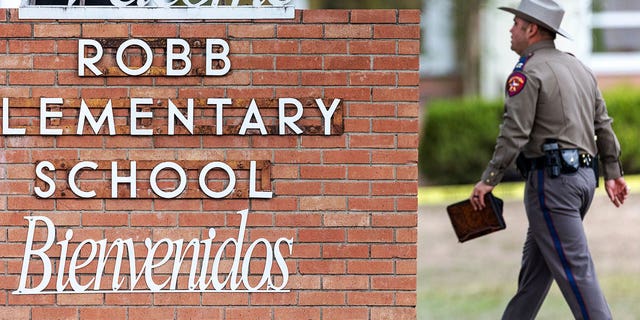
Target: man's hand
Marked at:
477, 196
617, 190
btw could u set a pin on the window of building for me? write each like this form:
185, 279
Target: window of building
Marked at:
615, 26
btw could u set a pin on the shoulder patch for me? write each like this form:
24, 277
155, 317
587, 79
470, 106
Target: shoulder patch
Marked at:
516, 83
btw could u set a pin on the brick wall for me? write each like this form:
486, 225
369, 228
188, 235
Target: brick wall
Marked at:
347, 200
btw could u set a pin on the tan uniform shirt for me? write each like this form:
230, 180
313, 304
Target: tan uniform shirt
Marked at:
553, 96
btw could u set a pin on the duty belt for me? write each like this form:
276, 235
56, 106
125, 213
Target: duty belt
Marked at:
584, 160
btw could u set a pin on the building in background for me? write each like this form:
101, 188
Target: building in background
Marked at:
604, 36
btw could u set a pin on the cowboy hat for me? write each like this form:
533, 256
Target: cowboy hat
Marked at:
546, 13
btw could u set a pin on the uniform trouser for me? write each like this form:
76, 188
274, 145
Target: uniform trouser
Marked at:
556, 247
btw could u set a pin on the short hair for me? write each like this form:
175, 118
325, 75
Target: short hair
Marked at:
546, 32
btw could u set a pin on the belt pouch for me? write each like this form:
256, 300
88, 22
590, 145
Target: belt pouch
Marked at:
570, 160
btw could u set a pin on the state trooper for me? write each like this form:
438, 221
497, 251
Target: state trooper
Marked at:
555, 125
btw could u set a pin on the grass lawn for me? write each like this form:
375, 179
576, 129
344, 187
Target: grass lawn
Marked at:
476, 279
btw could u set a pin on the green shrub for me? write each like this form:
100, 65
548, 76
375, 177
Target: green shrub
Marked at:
458, 139
623, 104
459, 135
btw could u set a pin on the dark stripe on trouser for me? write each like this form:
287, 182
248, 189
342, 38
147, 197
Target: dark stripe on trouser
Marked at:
558, 246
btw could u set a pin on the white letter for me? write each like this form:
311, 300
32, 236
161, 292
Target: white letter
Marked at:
5, 120
72, 179
154, 183
89, 62
327, 114
252, 184
135, 115
203, 182
29, 251
64, 245
149, 265
281, 263
85, 114
175, 113
217, 56
183, 56
147, 50
289, 121
219, 106
266, 274
44, 115
46, 179
73, 265
252, 112
115, 179
119, 3
278, 3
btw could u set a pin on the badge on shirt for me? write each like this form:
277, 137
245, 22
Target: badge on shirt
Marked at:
516, 83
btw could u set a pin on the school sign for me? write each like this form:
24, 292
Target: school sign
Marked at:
216, 162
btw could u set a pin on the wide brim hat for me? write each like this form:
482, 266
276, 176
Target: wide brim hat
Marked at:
546, 13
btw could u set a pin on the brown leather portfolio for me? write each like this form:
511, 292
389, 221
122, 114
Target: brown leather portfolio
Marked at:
470, 224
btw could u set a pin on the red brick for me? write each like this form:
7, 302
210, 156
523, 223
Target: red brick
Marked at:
346, 220
325, 16
322, 267
370, 298
322, 298
299, 31
396, 63
155, 30
32, 78
105, 313
394, 220
15, 313
371, 204
252, 30
347, 63
346, 313
393, 313
409, 47
203, 30
17, 62
200, 313
370, 267
345, 251
276, 78
395, 188
324, 78
31, 46
299, 62
381, 31
321, 235
372, 78
99, 30
55, 62
56, 30
248, 313
348, 31
409, 16
370, 235
350, 282
276, 46
323, 203
404, 251
374, 16
322, 172
324, 46
296, 313
393, 282
51, 313
16, 30
298, 219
